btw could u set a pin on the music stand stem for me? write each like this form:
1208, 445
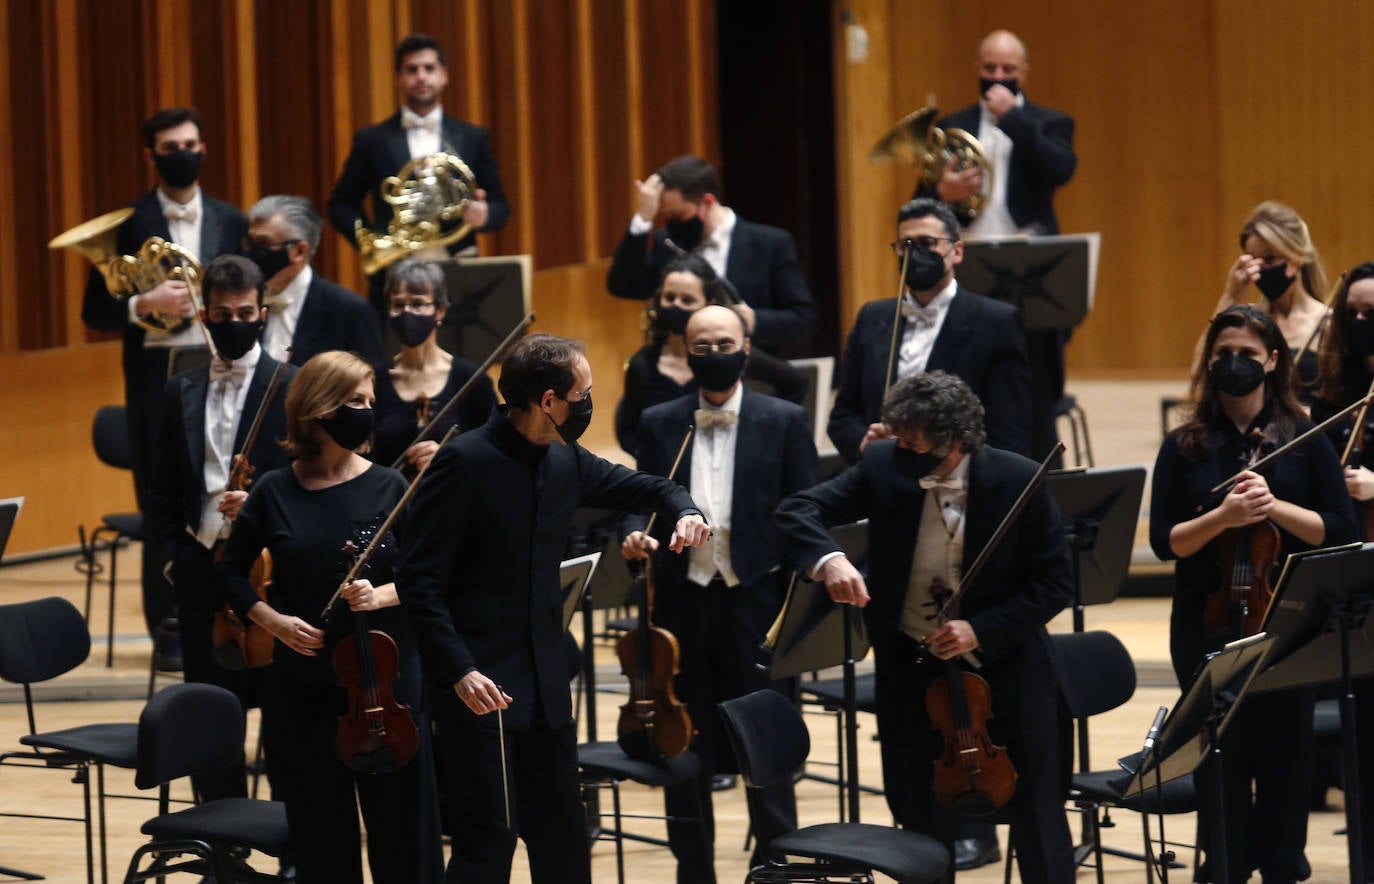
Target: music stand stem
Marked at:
1216, 847
851, 717
16, 873
1350, 754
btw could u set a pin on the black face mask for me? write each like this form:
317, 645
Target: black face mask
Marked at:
716, 372
1359, 336
914, 464
1235, 374
233, 338
180, 168
270, 261
924, 270
1274, 281
579, 418
686, 235
413, 328
349, 427
986, 83
672, 319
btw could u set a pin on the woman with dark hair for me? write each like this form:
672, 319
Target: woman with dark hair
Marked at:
658, 371
304, 514
424, 376
1242, 401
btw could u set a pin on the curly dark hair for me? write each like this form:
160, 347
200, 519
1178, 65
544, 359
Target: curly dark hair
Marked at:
1337, 368
1205, 413
941, 407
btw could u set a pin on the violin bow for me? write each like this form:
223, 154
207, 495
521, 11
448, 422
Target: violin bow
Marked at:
1295, 441
653, 517
252, 437
1357, 431
896, 319
468, 385
363, 558
1321, 323
505, 777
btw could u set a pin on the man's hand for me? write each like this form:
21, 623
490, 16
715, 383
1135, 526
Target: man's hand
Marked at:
690, 531
747, 314
1248, 502
844, 582
171, 297
637, 545
231, 503
956, 184
421, 453
648, 191
481, 693
999, 99
954, 638
475, 215
875, 433
1359, 481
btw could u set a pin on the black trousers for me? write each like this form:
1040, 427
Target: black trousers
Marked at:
143, 405
1025, 706
1364, 717
323, 796
718, 633
540, 788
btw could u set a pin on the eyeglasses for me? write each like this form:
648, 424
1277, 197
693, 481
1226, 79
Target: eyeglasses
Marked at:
701, 348
249, 245
414, 305
920, 242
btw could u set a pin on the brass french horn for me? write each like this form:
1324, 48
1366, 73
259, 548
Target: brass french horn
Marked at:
156, 261
425, 194
917, 141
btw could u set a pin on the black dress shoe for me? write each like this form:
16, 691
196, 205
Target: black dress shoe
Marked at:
971, 853
722, 782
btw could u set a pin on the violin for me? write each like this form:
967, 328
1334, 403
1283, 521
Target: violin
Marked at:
1247, 557
377, 734
973, 775
654, 725
1353, 457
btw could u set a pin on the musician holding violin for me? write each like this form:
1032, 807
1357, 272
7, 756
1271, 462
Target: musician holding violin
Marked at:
934, 493
312, 516
1229, 548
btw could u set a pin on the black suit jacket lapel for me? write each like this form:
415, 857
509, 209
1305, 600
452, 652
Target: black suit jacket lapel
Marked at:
684, 417
982, 511
211, 231
308, 323
194, 389
150, 220
741, 247
257, 388
451, 139
880, 350
397, 145
953, 335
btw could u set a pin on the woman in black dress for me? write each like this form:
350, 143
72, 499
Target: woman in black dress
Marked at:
423, 377
304, 515
1242, 399
658, 371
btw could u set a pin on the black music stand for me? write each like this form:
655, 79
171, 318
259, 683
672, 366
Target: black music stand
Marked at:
9, 512
1323, 633
813, 632
1051, 279
573, 577
487, 298
608, 586
1192, 734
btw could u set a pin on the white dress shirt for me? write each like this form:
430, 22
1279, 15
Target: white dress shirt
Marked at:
223, 411
184, 223
995, 220
939, 554
424, 134
921, 329
714, 248
283, 314
713, 489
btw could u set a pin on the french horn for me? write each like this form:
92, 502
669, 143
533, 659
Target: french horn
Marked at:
917, 141
156, 261
427, 193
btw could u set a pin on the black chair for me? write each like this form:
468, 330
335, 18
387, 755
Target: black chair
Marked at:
40, 640
1068, 408
195, 728
1096, 674
771, 742
110, 435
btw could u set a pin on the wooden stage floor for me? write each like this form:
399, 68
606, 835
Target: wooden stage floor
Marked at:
1124, 419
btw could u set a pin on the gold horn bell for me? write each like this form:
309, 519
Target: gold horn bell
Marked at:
428, 192
917, 141
156, 261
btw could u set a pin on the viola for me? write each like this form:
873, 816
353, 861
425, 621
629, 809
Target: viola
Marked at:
1247, 557
377, 734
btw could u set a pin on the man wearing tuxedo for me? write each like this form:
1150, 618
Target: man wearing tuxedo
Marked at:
179, 212
418, 129
1030, 147
306, 314
207, 413
747, 453
934, 493
943, 327
759, 261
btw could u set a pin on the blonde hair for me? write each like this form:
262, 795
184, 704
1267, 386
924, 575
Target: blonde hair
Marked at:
1279, 227
323, 384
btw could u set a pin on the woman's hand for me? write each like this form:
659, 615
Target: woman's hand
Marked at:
1359, 481
1244, 272
421, 453
293, 632
1250, 501
361, 595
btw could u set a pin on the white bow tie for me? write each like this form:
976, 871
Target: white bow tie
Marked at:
180, 213
234, 372
276, 299
412, 120
710, 418
921, 317
949, 483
